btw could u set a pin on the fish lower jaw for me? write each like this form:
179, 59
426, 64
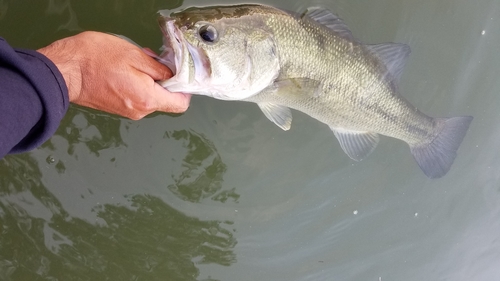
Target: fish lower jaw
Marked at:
175, 85
180, 84
220, 92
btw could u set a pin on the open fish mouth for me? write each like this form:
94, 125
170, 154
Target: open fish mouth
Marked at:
171, 54
189, 64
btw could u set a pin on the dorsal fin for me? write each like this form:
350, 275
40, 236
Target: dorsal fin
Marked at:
328, 19
393, 55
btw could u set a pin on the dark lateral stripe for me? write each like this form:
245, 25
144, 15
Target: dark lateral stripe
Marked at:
195, 14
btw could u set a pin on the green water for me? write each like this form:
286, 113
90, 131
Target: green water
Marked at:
221, 193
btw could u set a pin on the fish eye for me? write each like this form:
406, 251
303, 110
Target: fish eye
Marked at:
208, 33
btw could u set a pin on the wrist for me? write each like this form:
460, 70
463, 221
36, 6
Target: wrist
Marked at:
64, 57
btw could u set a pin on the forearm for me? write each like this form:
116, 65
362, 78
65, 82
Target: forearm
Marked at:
33, 99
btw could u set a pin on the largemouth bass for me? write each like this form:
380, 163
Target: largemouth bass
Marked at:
308, 62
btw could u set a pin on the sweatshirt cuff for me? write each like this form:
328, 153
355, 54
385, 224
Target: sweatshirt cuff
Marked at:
52, 91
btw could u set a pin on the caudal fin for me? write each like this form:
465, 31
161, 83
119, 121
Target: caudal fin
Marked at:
435, 158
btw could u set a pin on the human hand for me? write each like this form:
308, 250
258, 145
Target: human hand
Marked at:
107, 73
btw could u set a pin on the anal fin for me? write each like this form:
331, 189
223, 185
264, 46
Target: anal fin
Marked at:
356, 144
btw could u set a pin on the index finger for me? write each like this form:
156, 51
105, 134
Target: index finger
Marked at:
157, 71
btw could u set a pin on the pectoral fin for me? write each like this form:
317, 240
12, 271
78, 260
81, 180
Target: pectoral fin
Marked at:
357, 145
293, 88
278, 114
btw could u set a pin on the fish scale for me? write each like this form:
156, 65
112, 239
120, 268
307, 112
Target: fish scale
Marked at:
309, 62
351, 64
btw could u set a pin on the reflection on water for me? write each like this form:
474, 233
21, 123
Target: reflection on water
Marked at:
128, 247
18, 173
140, 237
96, 130
64, 7
203, 170
145, 240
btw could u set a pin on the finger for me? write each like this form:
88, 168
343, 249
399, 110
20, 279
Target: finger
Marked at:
140, 58
171, 102
157, 71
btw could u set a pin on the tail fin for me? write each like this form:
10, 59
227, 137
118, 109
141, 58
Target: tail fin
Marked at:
435, 158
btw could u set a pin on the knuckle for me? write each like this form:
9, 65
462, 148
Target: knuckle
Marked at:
140, 104
135, 109
145, 104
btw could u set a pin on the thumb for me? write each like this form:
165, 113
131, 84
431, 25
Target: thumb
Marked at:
170, 102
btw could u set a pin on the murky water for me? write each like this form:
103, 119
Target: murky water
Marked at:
221, 193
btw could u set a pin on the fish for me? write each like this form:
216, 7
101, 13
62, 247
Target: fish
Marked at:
308, 62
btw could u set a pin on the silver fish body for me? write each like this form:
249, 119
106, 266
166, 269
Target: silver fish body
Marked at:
311, 63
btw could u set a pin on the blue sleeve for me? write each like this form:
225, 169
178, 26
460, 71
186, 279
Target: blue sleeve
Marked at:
33, 99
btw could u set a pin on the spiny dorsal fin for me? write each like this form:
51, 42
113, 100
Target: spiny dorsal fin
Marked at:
393, 55
357, 145
328, 19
